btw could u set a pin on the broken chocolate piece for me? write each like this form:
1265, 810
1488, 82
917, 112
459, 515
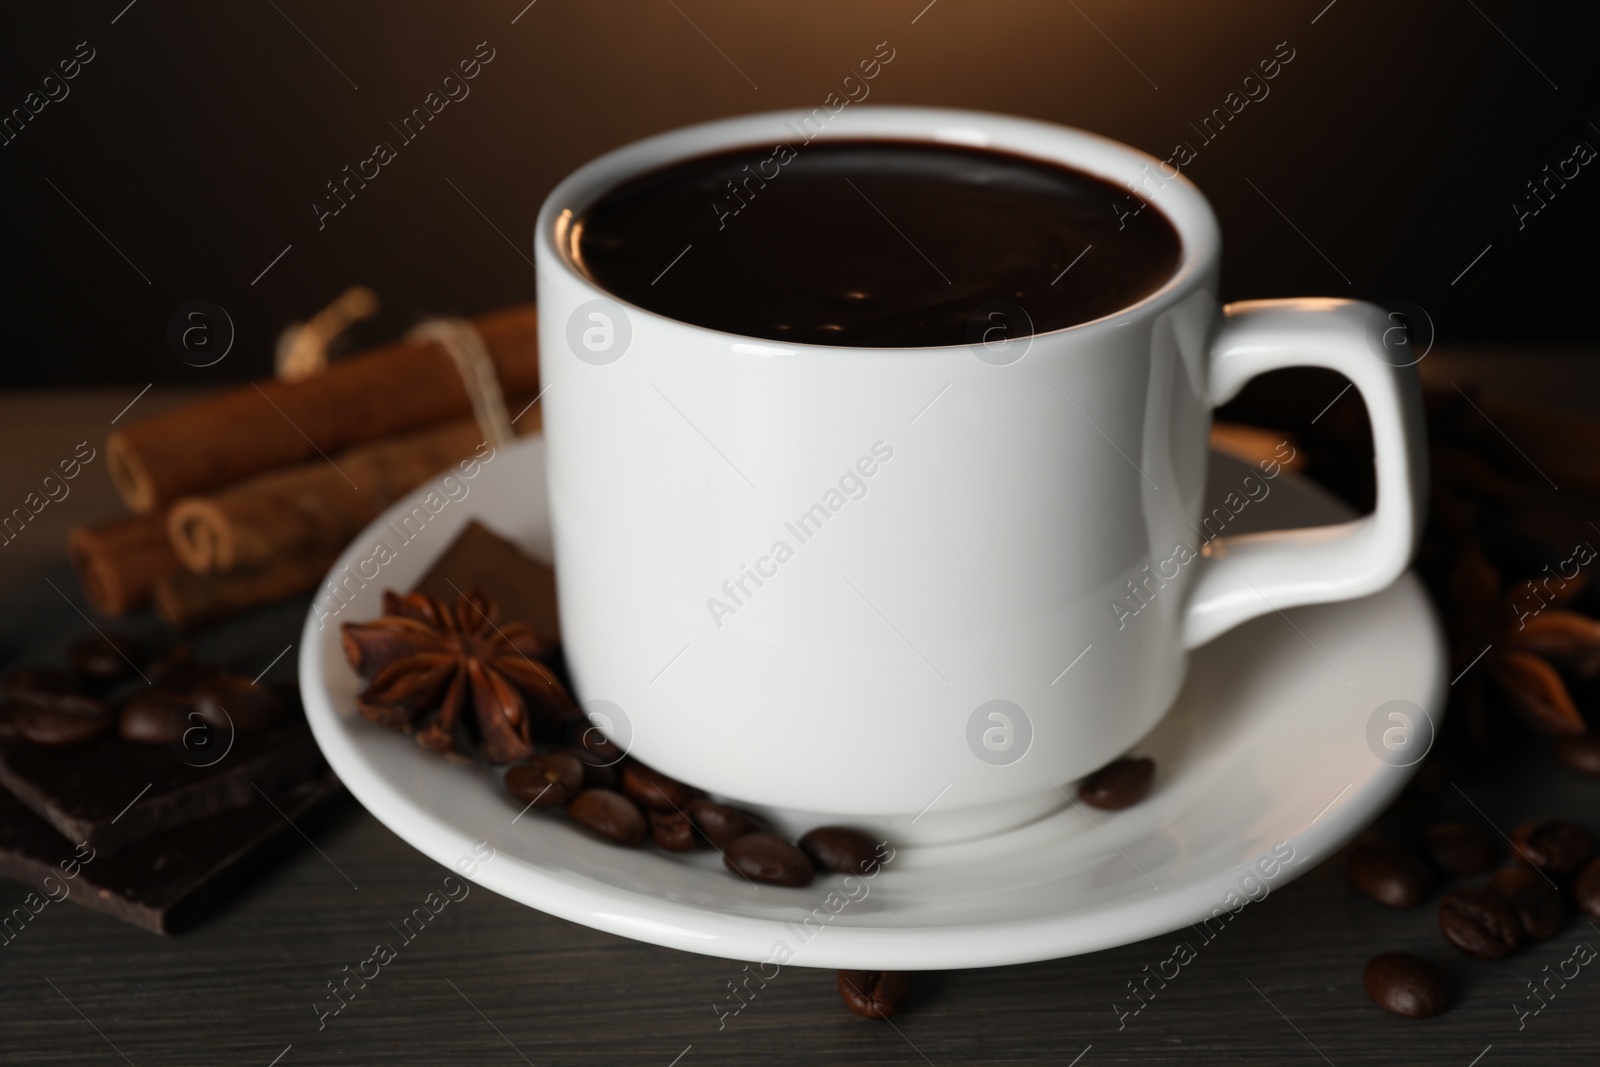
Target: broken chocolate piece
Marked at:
110, 793
165, 883
522, 587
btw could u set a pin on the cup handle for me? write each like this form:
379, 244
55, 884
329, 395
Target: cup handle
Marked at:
1247, 575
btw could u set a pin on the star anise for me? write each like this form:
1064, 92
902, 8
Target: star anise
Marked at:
1525, 642
453, 676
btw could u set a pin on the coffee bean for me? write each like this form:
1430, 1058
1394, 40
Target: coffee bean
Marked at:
178, 671
673, 831
650, 788
874, 994
1554, 847
1581, 753
769, 858
595, 775
1389, 874
592, 743
231, 702
47, 689
611, 815
1586, 889
546, 781
168, 661
1461, 849
1119, 784
53, 728
720, 824
104, 657
155, 717
1479, 923
1538, 904
1406, 985
841, 850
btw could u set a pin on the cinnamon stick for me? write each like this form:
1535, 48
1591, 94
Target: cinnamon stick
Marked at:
378, 393
184, 599
119, 562
312, 508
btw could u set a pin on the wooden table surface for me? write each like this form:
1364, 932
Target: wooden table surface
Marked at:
493, 982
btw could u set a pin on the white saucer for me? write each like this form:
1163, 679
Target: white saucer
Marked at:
1268, 743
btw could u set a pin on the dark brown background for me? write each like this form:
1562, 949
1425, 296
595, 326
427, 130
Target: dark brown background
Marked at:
198, 137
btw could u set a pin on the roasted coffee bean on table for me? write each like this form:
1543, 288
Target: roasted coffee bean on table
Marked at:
1461, 849
1119, 784
104, 657
1586, 889
48, 727
48, 689
1539, 905
1406, 985
1558, 848
154, 717
547, 781
768, 858
650, 788
1581, 753
1479, 923
178, 670
874, 994
672, 831
1390, 874
841, 850
610, 815
720, 824
229, 701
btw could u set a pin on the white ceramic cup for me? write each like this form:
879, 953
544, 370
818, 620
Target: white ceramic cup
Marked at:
923, 590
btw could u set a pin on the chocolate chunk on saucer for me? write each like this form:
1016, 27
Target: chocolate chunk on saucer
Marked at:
111, 793
167, 882
522, 587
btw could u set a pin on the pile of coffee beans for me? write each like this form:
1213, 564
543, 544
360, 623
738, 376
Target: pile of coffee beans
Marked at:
619, 799
151, 698
1552, 869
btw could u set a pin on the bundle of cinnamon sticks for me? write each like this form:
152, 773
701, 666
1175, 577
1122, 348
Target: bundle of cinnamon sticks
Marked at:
247, 497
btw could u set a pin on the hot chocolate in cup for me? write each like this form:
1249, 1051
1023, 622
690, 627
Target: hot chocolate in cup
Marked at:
877, 456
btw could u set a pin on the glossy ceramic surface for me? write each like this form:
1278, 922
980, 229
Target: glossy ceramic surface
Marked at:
848, 580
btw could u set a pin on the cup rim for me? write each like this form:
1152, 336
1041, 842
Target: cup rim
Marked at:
1176, 197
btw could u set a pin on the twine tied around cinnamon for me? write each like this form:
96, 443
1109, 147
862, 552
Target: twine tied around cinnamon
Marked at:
464, 344
303, 353
302, 350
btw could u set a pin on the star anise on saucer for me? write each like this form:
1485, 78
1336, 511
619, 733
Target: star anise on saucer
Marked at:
1527, 643
454, 677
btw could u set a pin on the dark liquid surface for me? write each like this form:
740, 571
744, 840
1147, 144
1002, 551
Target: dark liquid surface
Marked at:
883, 244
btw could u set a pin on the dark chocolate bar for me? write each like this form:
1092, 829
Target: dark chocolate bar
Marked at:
164, 883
